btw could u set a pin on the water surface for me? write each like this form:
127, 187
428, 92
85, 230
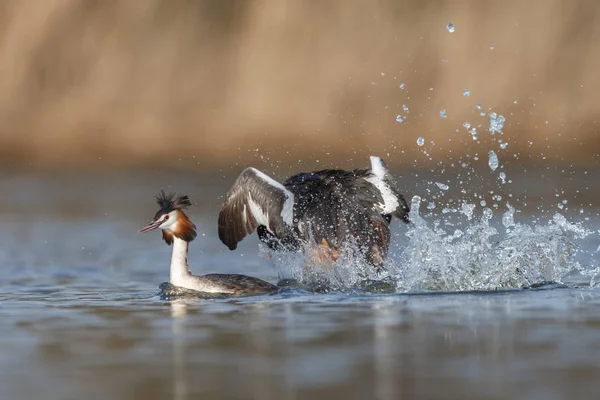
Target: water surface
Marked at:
81, 317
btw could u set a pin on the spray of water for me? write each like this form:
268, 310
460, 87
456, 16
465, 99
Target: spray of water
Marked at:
480, 255
483, 257
458, 244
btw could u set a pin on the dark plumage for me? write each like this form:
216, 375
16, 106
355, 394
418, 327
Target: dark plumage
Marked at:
240, 284
170, 202
330, 207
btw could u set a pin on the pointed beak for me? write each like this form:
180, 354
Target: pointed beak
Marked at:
153, 225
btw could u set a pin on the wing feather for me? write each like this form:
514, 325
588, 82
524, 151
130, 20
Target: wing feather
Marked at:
394, 202
255, 199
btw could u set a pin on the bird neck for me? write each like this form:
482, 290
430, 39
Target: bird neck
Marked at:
180, 272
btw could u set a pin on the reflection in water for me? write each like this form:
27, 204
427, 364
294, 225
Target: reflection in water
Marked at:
384, 348
178, 313
288, 346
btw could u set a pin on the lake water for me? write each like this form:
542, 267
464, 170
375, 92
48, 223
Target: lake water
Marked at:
81, 317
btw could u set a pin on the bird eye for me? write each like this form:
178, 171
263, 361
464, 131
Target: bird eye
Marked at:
166, 217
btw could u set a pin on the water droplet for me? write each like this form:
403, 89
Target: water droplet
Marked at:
466, 125
487, 214
492, 160
402, 86
442, 186
502, 177
383, 74
414, 208
503, 145
420, 141
443, 113
430, 206
492, 47
467, 209
399, 119
450, 28
479, 106
405, 108
431, 89
466, 92
496, 123
508, 217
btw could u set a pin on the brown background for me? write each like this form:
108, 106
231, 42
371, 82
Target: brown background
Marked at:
116, 84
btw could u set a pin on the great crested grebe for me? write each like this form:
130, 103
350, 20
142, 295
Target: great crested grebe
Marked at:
328, 209
178, 230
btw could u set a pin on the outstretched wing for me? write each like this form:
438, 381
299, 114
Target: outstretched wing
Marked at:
393, 201
254, 200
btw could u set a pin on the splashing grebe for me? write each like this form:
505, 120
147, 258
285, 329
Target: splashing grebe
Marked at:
333, 207
178, 230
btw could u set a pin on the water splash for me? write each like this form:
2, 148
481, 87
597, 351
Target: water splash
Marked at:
420, 141
480, 257
450, 28
345, 274
474, 254
443, 113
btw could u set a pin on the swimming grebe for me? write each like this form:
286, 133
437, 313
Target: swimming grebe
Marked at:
178, 230
333, 207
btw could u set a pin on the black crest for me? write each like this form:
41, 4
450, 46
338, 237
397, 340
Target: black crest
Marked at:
170, 202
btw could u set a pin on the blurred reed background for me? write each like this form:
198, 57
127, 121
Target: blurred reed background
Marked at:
173, 83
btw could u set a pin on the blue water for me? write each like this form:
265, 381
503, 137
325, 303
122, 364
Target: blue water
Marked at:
81, 317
